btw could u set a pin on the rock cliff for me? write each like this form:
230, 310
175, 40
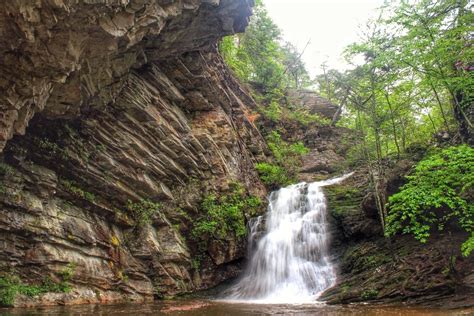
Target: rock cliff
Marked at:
111, 110
399, 269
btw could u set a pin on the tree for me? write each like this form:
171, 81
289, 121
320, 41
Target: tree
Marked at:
435, 42
258, 56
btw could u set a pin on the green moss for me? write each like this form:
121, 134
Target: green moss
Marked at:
196, 262
343, 199
364, 257
369, 294
287, 161
272, 175
182, 214
225, 214
72, 188
100, 148
143, 211
11, 285
345, 288
438, 194
5, 169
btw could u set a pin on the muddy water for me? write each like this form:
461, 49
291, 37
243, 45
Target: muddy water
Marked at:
212, 308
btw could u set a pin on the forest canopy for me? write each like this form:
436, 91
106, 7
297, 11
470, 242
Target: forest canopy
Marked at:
410, 86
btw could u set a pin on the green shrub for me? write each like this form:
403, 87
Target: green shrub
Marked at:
225, 215
272, 175
143, 211
438, 193
11, 286
305, 118
468, 246
5, 169
287, 161
369, 294
272, 111
72, 188
282, 150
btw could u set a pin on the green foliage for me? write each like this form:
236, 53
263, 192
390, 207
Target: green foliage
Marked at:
437, 194
11, 286
46, 144
272, 112
257, 56
282, 150
5, 169
369, 294
305, 118
272, 175
196, 262
143, 211
288, 113
468, 246
224, 215
287, 161
413, 81
72, 188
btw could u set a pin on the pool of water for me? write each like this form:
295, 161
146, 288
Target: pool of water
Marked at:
214, 308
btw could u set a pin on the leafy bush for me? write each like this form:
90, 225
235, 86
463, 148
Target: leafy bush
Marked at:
272, 111
224, 215
5, 169
438, 193
282, 150
305, 118
287, 161
260, 57
369, 294
72, 188
272, 175
11, 286
143, 211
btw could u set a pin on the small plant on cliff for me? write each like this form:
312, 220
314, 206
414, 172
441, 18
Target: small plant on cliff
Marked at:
272, 175
11, 285
305, 118
5, 169
143, 211
438, 193
287, 161
369, 294
72, 188
224, 215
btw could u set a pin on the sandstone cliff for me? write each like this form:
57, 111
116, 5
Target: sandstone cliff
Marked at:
108, 107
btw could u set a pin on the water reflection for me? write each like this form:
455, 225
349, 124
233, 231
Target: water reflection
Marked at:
212, 308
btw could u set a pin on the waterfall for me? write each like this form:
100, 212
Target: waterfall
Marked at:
290, 263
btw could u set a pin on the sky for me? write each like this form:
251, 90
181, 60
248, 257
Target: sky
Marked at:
329, 24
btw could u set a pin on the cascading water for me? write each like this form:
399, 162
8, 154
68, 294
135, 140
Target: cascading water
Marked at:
290, 263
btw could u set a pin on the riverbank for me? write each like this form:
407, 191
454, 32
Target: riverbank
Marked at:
195, 307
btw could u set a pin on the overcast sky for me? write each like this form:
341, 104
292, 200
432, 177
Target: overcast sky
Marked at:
330, 24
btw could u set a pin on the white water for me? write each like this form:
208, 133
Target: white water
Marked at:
290, 263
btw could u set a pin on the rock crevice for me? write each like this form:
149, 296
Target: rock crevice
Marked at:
108, 109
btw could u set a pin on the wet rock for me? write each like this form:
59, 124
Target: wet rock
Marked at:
118, 117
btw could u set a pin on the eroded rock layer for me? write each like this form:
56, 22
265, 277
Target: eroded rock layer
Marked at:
65, 56
116, 105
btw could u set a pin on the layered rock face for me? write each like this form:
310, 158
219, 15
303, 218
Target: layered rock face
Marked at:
66, 56
313, 102
374, 268
118, 106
